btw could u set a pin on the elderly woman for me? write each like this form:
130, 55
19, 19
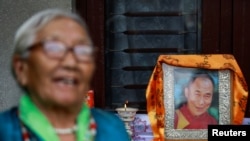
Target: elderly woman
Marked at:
53, 62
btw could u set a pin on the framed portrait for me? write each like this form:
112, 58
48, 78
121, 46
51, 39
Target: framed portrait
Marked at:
195, 98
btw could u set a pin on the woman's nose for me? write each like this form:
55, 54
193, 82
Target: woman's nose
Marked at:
69, 59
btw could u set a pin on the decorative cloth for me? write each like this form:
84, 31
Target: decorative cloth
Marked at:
154, 92
29, 114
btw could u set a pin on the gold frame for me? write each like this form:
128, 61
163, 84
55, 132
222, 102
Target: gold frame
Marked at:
225, 113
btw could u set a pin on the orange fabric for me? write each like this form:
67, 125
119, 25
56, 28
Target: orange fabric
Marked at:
154, 92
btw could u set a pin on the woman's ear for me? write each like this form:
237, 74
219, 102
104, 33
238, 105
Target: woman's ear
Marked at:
20, 69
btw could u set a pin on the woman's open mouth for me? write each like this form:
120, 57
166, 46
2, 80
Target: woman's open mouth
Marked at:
66, 81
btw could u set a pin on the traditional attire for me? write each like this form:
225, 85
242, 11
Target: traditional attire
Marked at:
27, 123
185, 120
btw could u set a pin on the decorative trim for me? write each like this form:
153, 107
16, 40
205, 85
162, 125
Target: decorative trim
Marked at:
224, 89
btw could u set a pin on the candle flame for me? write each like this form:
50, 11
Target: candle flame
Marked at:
125, 106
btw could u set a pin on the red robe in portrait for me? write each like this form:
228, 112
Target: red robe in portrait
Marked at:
185, 120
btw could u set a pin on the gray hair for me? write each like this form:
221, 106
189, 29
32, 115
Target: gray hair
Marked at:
26, 34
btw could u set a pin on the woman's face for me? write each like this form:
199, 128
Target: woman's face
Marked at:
62, 82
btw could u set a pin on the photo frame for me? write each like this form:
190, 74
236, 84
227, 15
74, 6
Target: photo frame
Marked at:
171, 92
